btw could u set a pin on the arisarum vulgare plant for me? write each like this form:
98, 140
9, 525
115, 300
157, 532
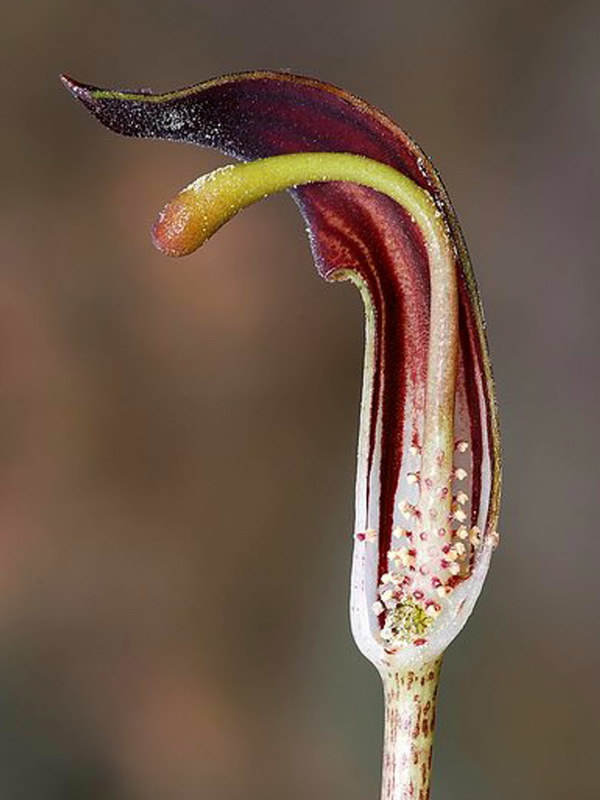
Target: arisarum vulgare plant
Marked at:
428, 474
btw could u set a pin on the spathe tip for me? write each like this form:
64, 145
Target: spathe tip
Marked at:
104, 104
82, 92
77, 89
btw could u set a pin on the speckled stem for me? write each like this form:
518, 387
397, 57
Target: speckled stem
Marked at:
408, 739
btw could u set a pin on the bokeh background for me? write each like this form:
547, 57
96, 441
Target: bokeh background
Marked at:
178, 438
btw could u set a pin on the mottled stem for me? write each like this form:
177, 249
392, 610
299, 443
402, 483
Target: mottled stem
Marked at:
408, 739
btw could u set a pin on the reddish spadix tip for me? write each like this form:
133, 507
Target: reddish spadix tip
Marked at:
175, 231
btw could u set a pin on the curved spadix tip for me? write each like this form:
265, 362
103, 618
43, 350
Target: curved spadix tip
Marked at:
198, 211
177, 230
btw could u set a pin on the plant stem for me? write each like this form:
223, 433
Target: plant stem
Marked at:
408, 739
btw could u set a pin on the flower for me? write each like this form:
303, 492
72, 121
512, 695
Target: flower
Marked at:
377, 213
432, 508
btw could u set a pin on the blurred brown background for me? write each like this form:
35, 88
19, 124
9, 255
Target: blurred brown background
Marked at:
178, 438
